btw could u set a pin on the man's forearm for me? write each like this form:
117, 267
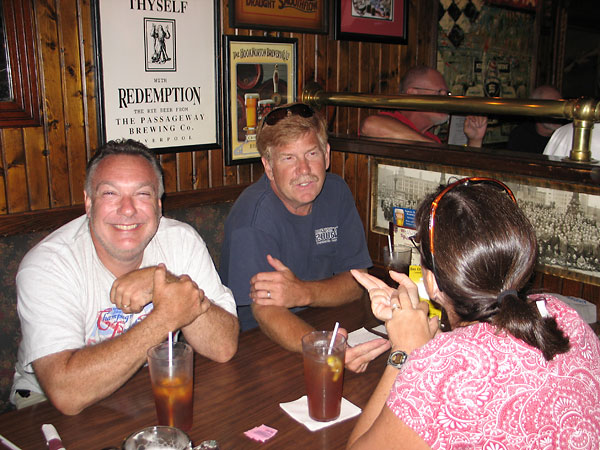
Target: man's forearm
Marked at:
214, 334
74, 380
281, 326
337, 290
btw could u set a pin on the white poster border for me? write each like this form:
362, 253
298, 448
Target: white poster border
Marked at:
158, 73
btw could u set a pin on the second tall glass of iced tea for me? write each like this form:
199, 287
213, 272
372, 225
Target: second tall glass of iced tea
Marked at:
324, 374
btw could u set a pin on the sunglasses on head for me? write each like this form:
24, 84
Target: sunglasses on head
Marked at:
299, 109
436, 201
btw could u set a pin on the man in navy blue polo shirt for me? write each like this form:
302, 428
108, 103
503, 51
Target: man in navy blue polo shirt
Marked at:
293, 236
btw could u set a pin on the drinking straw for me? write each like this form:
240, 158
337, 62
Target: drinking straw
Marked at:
8, 444
333, 335
170, 354
390, 246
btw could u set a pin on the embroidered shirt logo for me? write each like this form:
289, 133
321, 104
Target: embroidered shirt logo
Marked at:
326, 235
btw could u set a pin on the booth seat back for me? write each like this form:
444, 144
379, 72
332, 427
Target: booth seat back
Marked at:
208, 220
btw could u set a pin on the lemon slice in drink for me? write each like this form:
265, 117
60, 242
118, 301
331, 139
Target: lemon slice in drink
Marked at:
336, 366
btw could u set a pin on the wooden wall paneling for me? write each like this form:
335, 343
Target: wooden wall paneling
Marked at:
72, 53
572, 287
332, 83
54, 120
3, 189
169, 165
387, 56
16, 179
592, 294
36, 165
185, 171
551, 283
344, 74
35, 146
200, 170
90, 102
216, 167
353, 69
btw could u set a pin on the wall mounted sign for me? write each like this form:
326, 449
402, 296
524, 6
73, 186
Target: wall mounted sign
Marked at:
260, 75
306, 16
158, 84
374, 21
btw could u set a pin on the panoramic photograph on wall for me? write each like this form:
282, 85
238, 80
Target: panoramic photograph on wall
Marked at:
567, 222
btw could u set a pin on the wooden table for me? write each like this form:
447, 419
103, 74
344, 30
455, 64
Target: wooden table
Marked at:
229, 399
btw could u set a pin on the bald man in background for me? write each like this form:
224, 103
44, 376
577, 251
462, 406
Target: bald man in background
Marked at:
533, 136
417, 125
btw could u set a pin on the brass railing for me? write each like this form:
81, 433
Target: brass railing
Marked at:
582, 111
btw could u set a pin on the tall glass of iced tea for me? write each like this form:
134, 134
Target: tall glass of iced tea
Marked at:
173, 384
323, 374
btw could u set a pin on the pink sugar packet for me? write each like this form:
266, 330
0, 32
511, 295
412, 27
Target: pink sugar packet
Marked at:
261, 433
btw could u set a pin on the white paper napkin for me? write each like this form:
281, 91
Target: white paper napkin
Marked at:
360, 336
298, 410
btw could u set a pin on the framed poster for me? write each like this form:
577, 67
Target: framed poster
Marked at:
260, 75
309, 16
566, 217
157, 85
371, 20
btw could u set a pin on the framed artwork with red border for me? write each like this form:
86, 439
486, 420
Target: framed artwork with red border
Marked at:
371, 20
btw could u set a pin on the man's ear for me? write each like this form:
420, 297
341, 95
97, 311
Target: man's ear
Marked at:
327, 155
268, 168
88, 203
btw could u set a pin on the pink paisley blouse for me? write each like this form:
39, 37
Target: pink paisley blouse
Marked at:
477, 388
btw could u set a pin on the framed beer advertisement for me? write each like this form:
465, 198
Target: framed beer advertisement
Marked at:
308, 16
373, 21
260, 74
156, 84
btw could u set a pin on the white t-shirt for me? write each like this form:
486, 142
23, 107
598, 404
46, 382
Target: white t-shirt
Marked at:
561, 142
63, 290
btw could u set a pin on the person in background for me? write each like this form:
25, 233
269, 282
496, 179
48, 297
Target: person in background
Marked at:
516, 370
561, 142
97, 293
417, 125
532, 137
292, 237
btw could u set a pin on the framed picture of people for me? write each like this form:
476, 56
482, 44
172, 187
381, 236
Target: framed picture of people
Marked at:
260, 74
566, 217
156, 84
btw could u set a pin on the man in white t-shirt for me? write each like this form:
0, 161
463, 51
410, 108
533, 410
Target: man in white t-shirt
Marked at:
97, 293
561, 142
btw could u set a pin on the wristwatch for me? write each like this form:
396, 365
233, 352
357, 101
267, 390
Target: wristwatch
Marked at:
397, 359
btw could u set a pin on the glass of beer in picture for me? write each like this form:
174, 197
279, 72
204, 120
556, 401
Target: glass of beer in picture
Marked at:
172, 377
324, 373
251, 101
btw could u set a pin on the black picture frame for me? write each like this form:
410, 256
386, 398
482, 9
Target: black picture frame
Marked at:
252, 88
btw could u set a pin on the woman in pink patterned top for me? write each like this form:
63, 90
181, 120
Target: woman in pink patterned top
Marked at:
515, 371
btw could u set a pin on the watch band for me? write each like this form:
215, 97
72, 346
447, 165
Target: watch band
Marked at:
397, 358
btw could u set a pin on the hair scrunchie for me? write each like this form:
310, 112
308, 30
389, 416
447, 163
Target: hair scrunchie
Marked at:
507, 293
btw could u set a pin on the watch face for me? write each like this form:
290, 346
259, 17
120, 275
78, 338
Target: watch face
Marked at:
398, 358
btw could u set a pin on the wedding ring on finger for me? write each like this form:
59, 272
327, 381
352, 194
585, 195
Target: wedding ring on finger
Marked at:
268, 294
395, 306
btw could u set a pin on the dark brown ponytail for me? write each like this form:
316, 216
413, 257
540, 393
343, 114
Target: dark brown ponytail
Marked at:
484, 247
